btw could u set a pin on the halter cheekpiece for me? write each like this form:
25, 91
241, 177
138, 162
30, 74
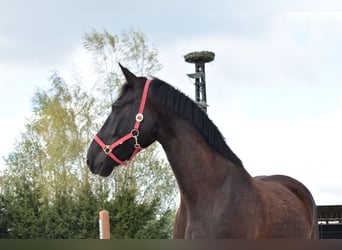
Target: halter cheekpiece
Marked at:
108, 149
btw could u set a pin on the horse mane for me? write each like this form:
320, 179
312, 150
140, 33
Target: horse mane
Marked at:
165, 95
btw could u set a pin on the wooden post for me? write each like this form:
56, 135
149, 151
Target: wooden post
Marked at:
104, 225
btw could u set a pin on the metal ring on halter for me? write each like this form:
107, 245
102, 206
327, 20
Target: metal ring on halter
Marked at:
135, 133
139, 117
107, 149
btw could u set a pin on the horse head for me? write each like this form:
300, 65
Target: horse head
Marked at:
128, 129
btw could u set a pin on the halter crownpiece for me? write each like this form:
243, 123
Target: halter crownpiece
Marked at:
108, 149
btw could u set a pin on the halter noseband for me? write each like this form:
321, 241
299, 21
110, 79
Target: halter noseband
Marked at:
108, 149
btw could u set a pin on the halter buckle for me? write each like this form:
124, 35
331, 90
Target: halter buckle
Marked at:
139, 117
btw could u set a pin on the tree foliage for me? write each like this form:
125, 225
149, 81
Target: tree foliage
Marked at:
47, 190
131, 48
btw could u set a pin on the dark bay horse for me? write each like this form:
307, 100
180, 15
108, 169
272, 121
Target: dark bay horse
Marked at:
219, 199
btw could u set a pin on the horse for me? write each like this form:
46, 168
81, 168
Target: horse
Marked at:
218, 197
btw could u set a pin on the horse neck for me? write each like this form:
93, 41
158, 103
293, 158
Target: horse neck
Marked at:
198, 168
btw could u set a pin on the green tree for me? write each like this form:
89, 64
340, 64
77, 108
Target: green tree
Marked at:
130, 48
4, 222
131, 219
21, 190
47, 190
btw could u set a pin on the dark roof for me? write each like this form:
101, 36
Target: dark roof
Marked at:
329, 213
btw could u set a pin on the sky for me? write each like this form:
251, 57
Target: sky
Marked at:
274, 88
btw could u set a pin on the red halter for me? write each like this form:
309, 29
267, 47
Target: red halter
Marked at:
108, 149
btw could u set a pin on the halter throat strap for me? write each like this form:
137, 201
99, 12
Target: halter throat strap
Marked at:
134, 133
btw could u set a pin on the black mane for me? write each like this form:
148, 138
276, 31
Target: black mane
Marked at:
166, 95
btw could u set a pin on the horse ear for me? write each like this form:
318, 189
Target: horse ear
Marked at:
130, 77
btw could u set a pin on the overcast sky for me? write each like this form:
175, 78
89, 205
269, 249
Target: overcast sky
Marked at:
274, 89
